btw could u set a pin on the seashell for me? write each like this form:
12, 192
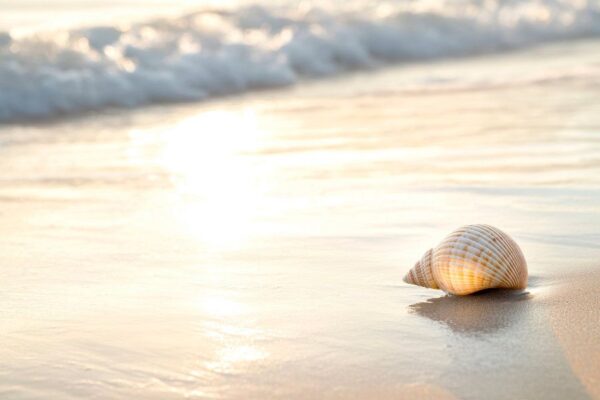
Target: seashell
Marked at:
470, 259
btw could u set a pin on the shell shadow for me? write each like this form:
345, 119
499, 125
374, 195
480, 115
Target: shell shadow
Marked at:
481, 313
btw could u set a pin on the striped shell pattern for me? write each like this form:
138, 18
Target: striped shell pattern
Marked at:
470, 259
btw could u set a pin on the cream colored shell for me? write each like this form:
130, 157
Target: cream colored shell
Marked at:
470, 259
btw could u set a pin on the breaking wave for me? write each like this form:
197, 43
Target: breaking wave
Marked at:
218, 52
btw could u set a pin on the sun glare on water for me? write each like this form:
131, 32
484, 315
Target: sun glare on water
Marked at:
217, 186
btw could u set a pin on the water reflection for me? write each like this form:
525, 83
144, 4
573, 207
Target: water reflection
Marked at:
220, 306
237, 345
217, 188
483, 312
235, 359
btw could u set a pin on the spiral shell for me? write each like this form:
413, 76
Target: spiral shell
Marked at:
470, 259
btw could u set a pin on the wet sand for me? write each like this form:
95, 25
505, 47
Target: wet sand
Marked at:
575, 320
553, 339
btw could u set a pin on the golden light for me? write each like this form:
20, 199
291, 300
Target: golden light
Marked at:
231, 359
221, 307
236, 348
218, 193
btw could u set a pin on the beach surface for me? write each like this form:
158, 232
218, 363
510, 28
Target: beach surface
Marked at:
253, 247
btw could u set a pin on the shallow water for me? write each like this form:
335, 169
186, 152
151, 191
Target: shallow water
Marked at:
253, 247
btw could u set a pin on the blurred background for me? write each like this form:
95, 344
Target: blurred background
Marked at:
91, 55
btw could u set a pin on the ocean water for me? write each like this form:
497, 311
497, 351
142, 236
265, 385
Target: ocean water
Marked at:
238, 47
252, 244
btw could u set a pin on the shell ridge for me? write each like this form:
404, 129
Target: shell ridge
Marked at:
503, 251
477, 244
510, 252
511, 276
512, 256
456, 272
454, 261
474, 253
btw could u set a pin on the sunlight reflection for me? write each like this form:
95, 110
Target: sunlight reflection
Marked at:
219, 306
236, 348
231, 359
218, 188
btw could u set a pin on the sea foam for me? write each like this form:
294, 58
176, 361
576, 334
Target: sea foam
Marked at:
219, 52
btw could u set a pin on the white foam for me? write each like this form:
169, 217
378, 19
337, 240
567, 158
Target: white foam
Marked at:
217, 52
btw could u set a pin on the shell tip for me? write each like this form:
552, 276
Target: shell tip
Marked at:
407, 279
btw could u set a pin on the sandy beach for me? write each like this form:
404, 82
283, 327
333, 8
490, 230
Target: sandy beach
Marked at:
253, 246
